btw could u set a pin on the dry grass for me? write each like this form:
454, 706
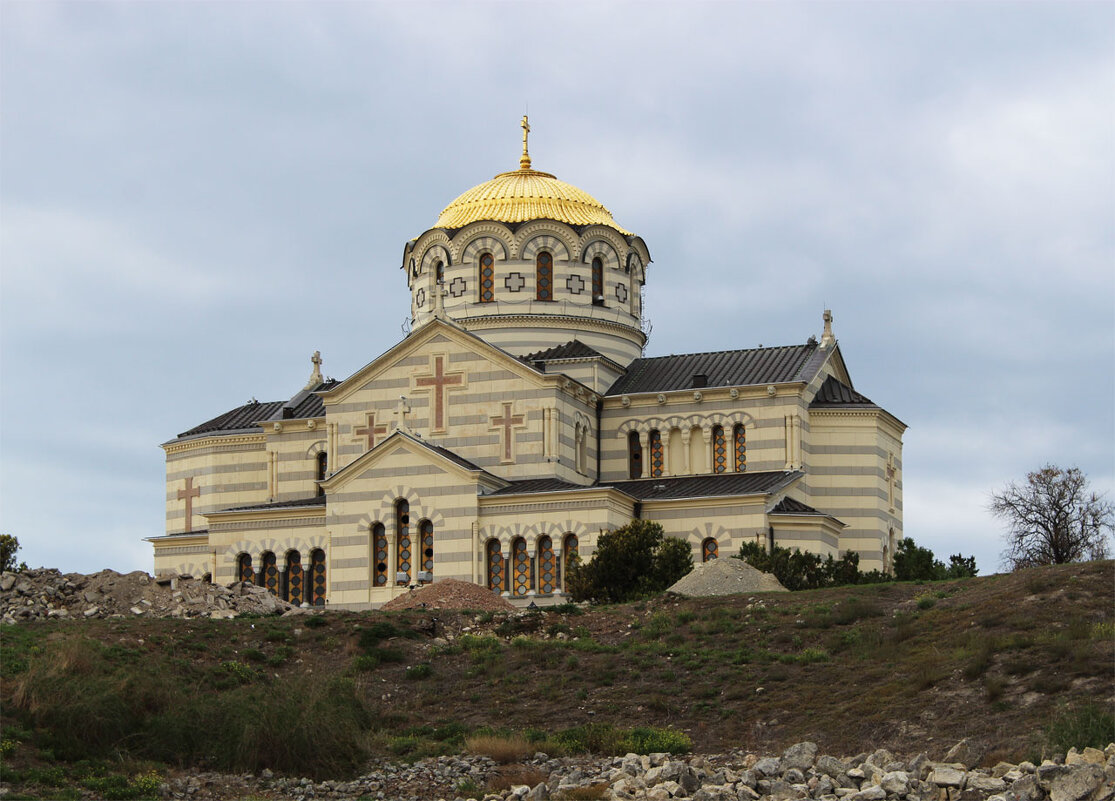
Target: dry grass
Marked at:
590, 793
510, 776
504, 750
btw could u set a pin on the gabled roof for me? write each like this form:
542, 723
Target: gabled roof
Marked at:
661, 489
837, 393
789, 506
723, 368
529, 485
303, 405
573, 349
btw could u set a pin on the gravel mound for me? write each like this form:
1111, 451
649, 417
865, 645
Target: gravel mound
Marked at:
727, 576
450, 594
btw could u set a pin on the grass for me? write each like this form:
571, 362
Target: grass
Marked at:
1081, 725
502, 749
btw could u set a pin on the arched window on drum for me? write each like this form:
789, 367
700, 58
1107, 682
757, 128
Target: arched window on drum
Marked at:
317, 577
295, 581
487, 278
269, 572
544, 276
379, 553
426, 537
244, 570
657, 454
494, 566
709, 550
597, 282
403, 546
568, 554
547, 567
520, 566
739, 437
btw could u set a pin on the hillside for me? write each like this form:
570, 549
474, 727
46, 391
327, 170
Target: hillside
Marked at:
909, 667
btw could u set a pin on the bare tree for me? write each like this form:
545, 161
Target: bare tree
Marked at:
1053, 518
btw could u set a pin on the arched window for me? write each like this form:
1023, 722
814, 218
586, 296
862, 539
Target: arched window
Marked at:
244, 570
379, 546
597, 282
269, 573
657, 462
569, 551
402, 542
295, 586
719, 450
439, 272
709, 550
494, 566
544, 276
547, 567
426, 533
520, 562
740, 438
635, 455
322, 470
317, 577
487, 278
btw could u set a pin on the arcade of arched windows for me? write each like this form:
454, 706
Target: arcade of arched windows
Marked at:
693, 446
402, 554
518, 570
288, 577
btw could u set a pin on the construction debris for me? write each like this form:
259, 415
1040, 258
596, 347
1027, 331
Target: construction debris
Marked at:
728, 576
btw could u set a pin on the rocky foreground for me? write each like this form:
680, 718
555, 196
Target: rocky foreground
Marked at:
48, 593
800, 773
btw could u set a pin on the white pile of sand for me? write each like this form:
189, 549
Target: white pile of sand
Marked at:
727, 576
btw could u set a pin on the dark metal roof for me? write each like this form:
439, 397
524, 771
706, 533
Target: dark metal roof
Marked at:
788, 506
300, 502
724, 368
240, 418
573, 349
529, 485
448, 454
837, 393
656, 489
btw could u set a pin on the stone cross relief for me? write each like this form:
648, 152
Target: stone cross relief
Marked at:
892, 472
369, 430
503, 423
438, 383
188, 494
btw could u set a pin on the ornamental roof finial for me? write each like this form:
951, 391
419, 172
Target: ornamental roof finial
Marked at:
315, 376
524, 161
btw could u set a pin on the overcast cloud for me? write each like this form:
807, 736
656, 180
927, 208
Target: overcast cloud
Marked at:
195, 197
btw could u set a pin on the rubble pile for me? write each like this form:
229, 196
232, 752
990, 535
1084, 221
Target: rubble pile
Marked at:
48, 593
728, 576
799, 774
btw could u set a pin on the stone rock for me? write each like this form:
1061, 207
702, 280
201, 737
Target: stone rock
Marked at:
880, 758
1078, 783
1027, 789
986, 784
784, 791
7, 581
687, 778
872, 793
944, 775
896, 782
768, 767
799, 756
966, 752
830, 766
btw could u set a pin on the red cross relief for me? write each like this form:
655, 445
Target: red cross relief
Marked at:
439, 381
188, 494
370, 429
504, 423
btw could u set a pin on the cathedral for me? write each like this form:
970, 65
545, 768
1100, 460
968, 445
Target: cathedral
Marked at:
519, 420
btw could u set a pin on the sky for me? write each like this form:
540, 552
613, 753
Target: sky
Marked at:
194, 197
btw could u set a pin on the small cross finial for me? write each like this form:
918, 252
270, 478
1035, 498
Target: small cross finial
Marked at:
401, 412
524, 161
315, 376
827, 339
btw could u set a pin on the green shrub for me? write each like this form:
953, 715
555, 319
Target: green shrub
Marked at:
417, 672
630, 562
800, 570
1080, 726
604, 738
316, 622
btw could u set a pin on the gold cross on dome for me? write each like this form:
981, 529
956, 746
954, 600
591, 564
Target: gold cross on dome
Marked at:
524, 162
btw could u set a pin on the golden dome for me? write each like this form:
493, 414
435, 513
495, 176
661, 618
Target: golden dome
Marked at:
526, 194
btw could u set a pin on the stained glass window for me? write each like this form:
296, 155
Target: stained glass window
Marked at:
521, 564
244, 570
544, 276
495, 566
547, 564
597, 282
740, 437
487, 278
719, 450
656, 454
322, 469
426, 532
709, 550
317, 577
269, 573
379, 544
295, 587
402, 542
